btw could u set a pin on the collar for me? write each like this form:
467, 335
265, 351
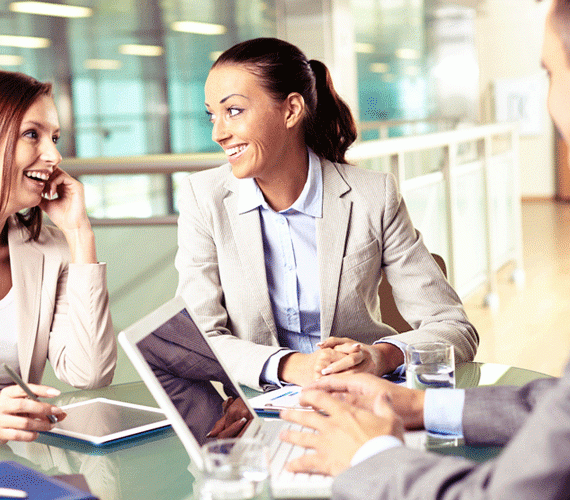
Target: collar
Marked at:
309, 202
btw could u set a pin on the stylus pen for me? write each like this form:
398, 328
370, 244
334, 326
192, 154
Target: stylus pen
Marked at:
16, 378
12, 493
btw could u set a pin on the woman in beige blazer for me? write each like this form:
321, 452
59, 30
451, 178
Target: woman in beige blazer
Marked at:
281, 250
53, 296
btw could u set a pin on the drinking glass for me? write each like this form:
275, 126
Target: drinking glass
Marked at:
235, 469
430, 365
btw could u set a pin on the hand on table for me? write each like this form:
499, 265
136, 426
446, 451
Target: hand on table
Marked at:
341, 429
234, 422
22, 418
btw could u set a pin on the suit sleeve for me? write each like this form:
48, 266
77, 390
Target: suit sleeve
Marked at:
533, 465
82, 344
421, 292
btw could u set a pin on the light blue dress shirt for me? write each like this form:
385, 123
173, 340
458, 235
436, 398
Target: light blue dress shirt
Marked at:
291, 264
443, 410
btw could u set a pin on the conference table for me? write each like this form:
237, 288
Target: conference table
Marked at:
156, 466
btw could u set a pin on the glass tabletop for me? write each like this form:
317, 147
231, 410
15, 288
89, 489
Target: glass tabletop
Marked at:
156, 466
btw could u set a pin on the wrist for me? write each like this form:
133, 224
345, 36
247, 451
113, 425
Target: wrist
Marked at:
390, 357
81, 243
288, 370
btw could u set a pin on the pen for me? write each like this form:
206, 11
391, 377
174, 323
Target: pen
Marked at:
12, 493
16, 378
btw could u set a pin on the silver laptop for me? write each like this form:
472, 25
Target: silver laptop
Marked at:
177, 362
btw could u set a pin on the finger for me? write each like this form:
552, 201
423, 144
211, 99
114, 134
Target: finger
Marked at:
42, 391
24, 424
304, 439
348, 348
331, 342
346, 363
382, 405
311, 419
218, 427
233, 430
311, 463
326, 404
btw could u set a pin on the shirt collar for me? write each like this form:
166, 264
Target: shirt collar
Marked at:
309, 202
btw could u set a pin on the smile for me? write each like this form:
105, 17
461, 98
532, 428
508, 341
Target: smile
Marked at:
235, 150
37, 175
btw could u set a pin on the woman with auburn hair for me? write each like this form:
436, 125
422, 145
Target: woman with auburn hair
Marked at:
281, 249
53, 296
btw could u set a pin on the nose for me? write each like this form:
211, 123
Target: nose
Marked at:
219, 131
50, 153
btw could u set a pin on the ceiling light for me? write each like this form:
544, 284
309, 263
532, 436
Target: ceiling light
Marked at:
364, 48
412, 71
198, 28
379, 68
50, 9
26, 42
141, 50
6, 60
102, 64
214, 55
408, 54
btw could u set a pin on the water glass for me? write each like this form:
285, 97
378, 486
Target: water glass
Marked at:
430, 365
235, 469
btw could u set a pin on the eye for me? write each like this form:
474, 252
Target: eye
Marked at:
31, 134
211, 116
234, 111
55, 139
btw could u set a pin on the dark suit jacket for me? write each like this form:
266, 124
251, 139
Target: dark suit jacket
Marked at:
535, 464
185, 366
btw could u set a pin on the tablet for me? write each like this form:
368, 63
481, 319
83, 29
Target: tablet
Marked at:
100, 421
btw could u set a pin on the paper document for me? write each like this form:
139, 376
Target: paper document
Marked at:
279, 399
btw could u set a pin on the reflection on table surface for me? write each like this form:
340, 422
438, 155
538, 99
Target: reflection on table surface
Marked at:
156, 466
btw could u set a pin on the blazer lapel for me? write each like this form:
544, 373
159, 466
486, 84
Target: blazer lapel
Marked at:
332, 230
246, 229
26, 264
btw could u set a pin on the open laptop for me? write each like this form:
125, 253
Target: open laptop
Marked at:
178, 364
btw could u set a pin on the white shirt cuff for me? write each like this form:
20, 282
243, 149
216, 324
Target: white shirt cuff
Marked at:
270, 372
443, 411
373, 447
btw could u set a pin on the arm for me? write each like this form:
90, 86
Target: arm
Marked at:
533, 465
82, 345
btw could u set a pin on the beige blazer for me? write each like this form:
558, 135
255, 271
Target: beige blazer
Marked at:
62, 311
365, 227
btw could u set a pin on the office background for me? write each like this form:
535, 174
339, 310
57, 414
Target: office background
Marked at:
128, 78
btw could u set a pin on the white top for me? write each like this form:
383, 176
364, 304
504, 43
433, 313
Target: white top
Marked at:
8, 337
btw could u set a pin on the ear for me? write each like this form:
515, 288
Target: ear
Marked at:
294, 109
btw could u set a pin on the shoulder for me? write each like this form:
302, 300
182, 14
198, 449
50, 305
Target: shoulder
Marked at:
208, 181
51, 241
361, 182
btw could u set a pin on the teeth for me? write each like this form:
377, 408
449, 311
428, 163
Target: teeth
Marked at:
42, 176
235, 150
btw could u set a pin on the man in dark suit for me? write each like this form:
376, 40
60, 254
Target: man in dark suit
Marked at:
360, 431
186, 367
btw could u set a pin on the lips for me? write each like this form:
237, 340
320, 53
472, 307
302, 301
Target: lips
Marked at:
235, 150
37, 175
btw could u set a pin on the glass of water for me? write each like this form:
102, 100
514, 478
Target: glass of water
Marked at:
235, 469
430, 365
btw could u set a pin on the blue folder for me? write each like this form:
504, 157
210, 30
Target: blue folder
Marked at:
38, 486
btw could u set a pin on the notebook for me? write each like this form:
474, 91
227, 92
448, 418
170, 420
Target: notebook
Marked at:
168, 341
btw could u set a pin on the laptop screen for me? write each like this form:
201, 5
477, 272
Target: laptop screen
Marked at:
194, 380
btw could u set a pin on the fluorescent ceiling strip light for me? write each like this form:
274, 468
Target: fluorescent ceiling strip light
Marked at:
198, 28
364, 48
50, 9
7, 60
214, 55
404, 53
141, 50
379, 68
26, 42
105, 64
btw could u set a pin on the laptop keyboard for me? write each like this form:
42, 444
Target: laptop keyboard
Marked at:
280, 453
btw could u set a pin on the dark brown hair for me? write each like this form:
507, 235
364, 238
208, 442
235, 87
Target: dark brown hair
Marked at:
561, 21
17, 93
283, 69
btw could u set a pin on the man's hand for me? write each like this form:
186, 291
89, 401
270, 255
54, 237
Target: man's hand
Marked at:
340, 430
362, 389
234, 422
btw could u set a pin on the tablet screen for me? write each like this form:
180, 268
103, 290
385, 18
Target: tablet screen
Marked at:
102, 420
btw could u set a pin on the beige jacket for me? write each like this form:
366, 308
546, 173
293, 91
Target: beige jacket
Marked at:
62, 311
365, 227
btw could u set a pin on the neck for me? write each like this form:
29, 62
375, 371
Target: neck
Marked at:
288, 181
4, 232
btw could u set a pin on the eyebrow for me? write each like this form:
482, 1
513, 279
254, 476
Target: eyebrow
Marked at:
227, 97
38, 125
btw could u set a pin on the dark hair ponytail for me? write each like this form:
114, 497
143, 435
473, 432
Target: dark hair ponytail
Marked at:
282, 68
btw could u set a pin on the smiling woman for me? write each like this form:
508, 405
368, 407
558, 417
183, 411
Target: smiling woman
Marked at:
53, 293
281, 250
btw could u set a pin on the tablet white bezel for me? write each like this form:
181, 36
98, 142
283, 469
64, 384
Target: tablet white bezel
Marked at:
107, 438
